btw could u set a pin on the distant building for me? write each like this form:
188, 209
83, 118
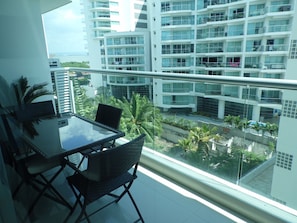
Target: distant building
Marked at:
128, 51
117, 38
54, 62
71, 57
62, 86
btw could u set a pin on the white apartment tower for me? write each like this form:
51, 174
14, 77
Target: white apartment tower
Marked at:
244, 38
128, 51
110, 26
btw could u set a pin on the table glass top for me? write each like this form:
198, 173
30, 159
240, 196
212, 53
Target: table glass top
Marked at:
67, 135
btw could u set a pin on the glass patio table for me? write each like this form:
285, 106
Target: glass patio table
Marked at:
63, 135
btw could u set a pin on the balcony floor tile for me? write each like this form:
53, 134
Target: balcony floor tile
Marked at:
159, 201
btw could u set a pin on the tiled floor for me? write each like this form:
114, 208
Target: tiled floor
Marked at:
159, 201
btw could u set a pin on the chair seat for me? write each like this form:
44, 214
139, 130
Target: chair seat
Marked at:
37, 164
93, 190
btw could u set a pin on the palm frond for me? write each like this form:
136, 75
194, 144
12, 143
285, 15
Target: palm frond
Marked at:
17, 93
35, 91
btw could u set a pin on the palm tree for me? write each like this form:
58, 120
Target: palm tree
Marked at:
25, 93
272, 128
237, 121
244, 123
186, 144
257, 127
229, 119
201, 136
140, 116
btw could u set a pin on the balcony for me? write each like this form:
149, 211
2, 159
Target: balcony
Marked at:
209, 194
158, 199
280, 8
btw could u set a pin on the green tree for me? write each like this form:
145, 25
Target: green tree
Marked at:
186, 144
83, 64
89, 105
201, 136
229, 120
237, 121
243, 123
257, 127
235, 164
140, 116
234, 121
272, 128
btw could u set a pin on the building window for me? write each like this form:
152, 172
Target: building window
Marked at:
284, 160
130, 40
293, 50
289, 109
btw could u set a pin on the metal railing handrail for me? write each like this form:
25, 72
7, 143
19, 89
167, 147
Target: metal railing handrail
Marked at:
282, 84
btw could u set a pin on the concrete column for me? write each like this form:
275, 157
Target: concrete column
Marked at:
221, 109
256, 113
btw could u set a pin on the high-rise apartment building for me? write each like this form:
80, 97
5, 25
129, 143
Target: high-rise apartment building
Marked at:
128, 51
242, 38
112, 43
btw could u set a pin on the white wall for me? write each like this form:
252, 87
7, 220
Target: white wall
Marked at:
22, 53
22, 42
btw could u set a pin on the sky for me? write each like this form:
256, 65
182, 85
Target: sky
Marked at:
64, 29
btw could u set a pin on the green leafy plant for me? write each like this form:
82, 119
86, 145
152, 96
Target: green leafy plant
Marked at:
140, 116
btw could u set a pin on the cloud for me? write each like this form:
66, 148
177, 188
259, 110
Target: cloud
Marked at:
64, 29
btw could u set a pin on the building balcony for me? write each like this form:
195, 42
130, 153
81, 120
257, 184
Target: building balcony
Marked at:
280, 8
273, 66
214, 3
222, 186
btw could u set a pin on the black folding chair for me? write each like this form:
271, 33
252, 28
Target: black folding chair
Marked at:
107, 115
31, 166
107, 171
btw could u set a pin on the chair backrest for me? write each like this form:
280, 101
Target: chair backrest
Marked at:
33, 111
109, 115
115, 162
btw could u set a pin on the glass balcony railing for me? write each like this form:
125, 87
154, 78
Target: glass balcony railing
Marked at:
220, 139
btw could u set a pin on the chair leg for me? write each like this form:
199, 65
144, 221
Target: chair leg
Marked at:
18, 188
82, 212
131, 198
60, 197
47, 185
83, 207
124, 192
73, 208
81, 161
136, 208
